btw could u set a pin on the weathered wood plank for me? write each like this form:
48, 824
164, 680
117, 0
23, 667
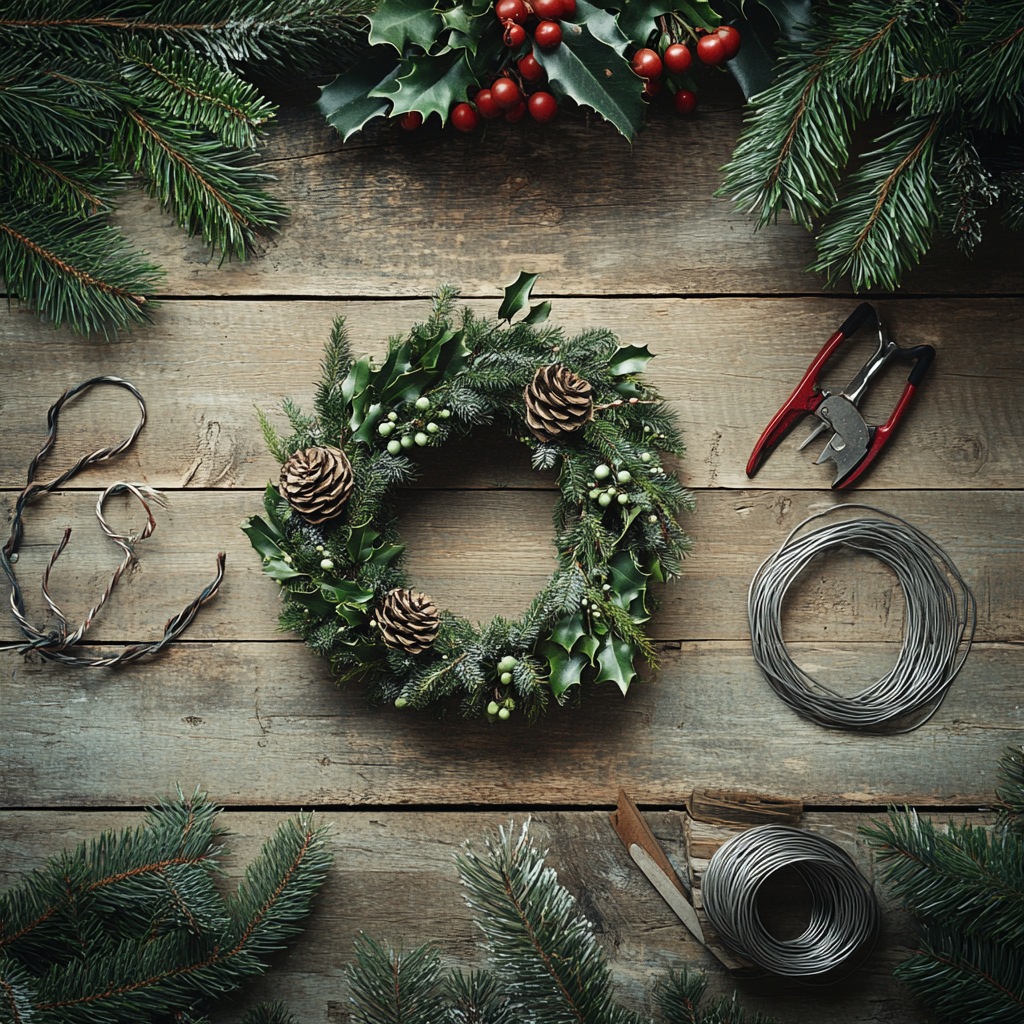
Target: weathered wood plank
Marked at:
485, 553
265, 722
394, 876
725, 367
391, 214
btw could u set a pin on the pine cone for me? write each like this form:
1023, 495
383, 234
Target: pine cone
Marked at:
408, 621
557, 403
317, 482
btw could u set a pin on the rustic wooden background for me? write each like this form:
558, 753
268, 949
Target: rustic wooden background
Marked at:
626, 237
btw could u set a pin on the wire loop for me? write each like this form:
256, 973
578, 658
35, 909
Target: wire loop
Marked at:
941, 618
53, 645
844, 916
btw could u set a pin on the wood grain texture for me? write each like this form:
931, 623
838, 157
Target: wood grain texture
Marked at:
486, 553
391, 213
724, 366
264, 722
394, 876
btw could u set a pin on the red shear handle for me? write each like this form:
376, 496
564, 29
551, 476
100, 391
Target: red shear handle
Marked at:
881, 435
805, 397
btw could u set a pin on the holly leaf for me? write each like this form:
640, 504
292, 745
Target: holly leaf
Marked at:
275, 506
629, 359
565, 669
373, 415
467, 27
793, 17
432, 84
593, 74
517, 295
696, 13
278, 569
628, 582
615, 662
587, 645
315, 602
539, 313
399, 22
346, 102
567, 631
263, 537
636, 17
604, 26
346, 592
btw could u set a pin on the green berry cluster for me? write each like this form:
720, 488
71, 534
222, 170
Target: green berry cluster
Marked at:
415, 424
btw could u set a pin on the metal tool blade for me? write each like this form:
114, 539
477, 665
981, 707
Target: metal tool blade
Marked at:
812, 435
672, 896
851, 440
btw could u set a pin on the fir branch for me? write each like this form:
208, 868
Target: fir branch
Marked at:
1010, 792
964, 185
62, 185
271, 438
794, 143
992, 40
278, 888
537, 937
60, 109
83, 274
392, 987
885, 224
187, 88
225, 31
211, 191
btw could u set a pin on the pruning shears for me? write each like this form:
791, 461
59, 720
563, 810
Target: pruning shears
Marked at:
854, 444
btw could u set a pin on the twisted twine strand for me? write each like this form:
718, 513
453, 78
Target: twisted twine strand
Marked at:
53, 645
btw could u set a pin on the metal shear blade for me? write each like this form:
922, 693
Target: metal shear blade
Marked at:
851, 438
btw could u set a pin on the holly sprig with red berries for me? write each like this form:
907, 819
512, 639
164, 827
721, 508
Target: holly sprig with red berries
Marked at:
470, 62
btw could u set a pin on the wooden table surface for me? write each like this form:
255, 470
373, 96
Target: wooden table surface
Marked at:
627, 238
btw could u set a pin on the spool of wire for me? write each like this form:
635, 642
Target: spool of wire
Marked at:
844, 914
941, 618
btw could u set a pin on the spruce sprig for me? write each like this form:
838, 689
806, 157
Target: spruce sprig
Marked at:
952, 76
964, 885
544, 963
94, 93
130, 927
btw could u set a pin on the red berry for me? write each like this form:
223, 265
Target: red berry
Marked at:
547, 35
516, 113
651, 88
506, 93
548, 9
486, 106
711, 49
568, 10
685, 101
529, 68
646, 64
511, 10
678, 59
731, 38
411, 121
543, 107
465, 118
515, 35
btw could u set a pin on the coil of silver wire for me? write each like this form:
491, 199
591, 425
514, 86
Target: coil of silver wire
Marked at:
941, 616
844, 915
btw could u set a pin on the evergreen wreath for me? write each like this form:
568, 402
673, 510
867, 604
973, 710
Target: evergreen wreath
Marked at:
329, 536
